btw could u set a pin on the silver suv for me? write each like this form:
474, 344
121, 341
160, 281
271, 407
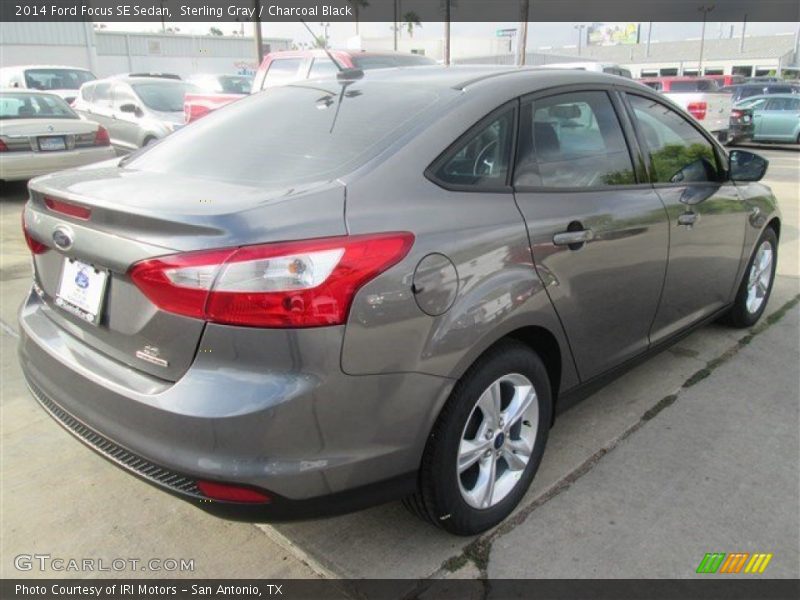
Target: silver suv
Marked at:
347, 291
136, 111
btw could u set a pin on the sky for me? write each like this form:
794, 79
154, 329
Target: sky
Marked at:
540, 35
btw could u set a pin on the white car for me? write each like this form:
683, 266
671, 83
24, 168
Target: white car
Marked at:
61, 80
40, 133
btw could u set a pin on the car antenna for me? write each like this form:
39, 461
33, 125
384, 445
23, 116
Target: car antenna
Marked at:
344, 74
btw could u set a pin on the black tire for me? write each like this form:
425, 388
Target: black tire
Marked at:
438, 498
739, 315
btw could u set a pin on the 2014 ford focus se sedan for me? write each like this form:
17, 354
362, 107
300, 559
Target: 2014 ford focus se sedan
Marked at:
354, 290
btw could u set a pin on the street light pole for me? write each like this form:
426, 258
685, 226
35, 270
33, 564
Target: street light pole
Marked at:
257, 33
705, 10
522, 34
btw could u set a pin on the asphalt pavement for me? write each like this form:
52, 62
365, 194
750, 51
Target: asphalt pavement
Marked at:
694, 451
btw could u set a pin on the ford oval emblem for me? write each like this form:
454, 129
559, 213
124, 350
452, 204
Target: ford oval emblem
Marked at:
62, 238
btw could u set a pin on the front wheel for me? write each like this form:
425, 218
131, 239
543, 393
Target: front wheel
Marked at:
754, 291
488, 442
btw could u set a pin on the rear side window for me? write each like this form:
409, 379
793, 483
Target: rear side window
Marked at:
86, 92
102, 94
481, 158
283, 69
783, 104
572, 140
697, 85
678, 152
322, 67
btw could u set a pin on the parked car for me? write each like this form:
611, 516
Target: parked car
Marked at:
776, 117
597, 67
700, 97
280, 68
40, 133
215, 91
741, 125
748, 90
312, 315
137, 111
61, 80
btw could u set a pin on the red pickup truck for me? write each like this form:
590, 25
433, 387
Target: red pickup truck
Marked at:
280, 68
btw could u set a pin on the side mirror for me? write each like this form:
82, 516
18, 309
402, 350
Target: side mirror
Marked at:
747, 166
130, 107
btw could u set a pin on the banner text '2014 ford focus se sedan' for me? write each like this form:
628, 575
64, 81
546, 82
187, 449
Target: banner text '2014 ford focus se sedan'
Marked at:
348, 291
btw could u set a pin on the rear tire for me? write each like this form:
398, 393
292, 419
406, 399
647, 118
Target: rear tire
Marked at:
479, 461
754, 291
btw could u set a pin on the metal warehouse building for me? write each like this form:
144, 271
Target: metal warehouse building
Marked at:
108, 53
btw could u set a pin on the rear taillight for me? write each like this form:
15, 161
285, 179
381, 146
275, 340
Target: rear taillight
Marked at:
35, 246
68, 208
309, 283
101, 138
232, 493
698, 110
3, 147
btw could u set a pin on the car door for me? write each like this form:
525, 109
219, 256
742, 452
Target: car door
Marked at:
778, 119
598, 232
707, 218
126, 125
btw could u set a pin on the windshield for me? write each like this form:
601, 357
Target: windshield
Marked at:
235, 84
34, 106
697, 85
163, 95
56, 79
293, 134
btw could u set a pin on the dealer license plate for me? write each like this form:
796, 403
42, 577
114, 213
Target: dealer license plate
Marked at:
82, 289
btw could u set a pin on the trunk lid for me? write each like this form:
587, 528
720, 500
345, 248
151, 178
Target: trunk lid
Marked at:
138, 215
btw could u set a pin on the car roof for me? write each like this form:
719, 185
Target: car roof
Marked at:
46, 67
127, 79
463, 77
770, 96
27, 91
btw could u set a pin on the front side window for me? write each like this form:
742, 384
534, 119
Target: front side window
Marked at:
482, 159
783, 104
678, 152
572, 140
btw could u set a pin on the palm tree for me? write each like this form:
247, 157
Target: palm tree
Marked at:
357, 5
411, 20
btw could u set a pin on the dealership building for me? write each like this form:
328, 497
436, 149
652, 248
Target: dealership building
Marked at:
109, 52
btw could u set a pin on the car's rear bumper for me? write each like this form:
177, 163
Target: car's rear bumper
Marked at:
740, 132
316, 440
19, 166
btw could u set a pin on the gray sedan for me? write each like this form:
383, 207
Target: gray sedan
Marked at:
355, 290
136, 111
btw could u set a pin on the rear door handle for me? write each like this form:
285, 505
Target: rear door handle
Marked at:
568, 238
687, 218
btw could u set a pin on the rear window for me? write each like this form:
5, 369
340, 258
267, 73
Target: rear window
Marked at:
56, 79
390, 60
697, 85
293, 134
34, 106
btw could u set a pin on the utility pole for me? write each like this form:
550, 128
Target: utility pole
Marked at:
705, 10
649, 33
257, 33
580, 29
396, 25
744, 28
522, 34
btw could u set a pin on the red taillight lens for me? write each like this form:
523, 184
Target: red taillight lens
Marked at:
232, 493
736, 113
289, 284
101, 138
3, 147
68, 208
698, 110
35, 246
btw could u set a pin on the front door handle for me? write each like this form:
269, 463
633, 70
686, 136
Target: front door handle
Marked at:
687, 218
573, 239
